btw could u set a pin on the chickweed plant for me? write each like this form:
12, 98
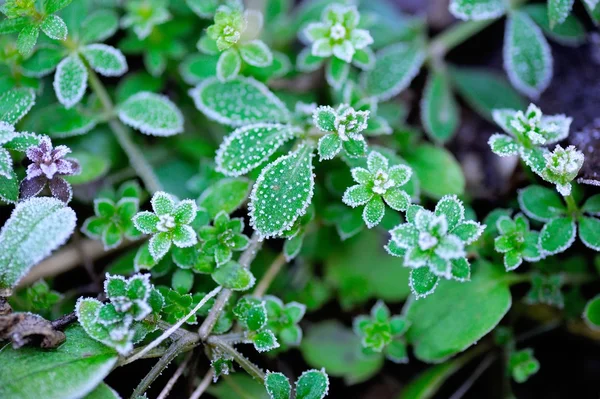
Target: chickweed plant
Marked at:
238, 194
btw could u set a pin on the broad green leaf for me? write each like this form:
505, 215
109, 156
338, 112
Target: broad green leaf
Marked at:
278, 386
312, 384
27, 39
42, 62
395, 67
558, 11
527, 56
233, 276
363, 258
9, 188
99, 26
571, 32
439, 111
70, 371
54, 27
104, 59
591, 314
15, 104
103, 391
92, 167
541, 203
225, 195
152, 114
336, 348
589, 232
57, 121
238, 102
438, 171
248, 147
70, 80
485, 91
457, 315
282, 192
35, 228
557, 235
229, 65
477, 9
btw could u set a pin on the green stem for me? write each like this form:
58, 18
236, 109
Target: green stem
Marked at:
572, 207
240, 359
135, 155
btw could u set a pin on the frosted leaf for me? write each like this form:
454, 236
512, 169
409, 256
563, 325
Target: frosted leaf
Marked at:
562, 166
264, 341
248, 147
557, 235
256, 53
99, 26
229, 65
558, 11
6, 169
54, 27
324, 118
395, 67
27, 39
527, 56
336, 72
357, 195
15, 104
373, 212
452, 208
439, 110
70, 80
477, 9
312, 384
329, 146
306, 62
42, 61
35, 228
422, 282
282, 192
233, 276
278, 386
104, 59
238, 102
469, 231
151, 114
503, 145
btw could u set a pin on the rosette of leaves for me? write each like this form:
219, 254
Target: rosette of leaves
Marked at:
378, 185
527, 132
383, 333
234, 34
132, 312
168, 224
283, 319
312, 384
343, 127
223, 238
516, 241
522, 365
113, 216
39, 298
252, 315
28, 17
143, 15
433, 244
562, 166
354, 95
546, 289
337, 39
563, 218
178, 305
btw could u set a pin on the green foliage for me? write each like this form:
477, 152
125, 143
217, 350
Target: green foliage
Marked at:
312, 384
516, 241
522, 365
224, 237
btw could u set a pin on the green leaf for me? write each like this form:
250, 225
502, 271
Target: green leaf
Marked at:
439, 111
57, 121
438, 171
571, 32
104, 59
252, 388
27, 39
522, 365
527, 56
477, 9
229, 65
282, 192
15, 104
238, 102
457, 315
92, 167
312, 384
422, 281
278, 386
182, 281
558, 11
99, 26
395, 67
152, 114
256, 53
589, 232
248, 147
591, 314
54, 27
70, 371
329, 146
197, 67
35, 228
234, 277
541, 203
264, 341
292, 246
12, 25
103, 391
42, 62
9, 188
336, 348
373, 212
70, 80
592, 205
225, 195
52, 6
336, 72
485, 91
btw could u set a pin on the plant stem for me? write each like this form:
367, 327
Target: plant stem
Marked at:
484, 365
269, 276
572, 207
135, 155
205, 383
240, 359
245, 259
173, 380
